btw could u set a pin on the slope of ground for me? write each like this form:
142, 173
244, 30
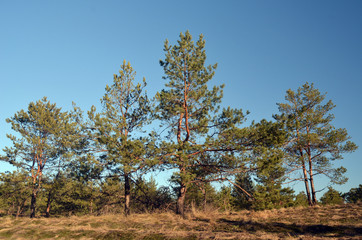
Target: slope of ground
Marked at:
322, 222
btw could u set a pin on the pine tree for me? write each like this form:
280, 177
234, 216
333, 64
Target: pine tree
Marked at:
225, 198
126, 109
15, 190
301, 199
242, 200
46, 137
200, 195
112, 193
332, 197
269, 192
148, 197
313, 142
189, 110
354, 195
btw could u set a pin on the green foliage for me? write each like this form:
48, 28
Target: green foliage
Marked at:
125, 110
269, 193
15, 191
301, 199
332, 197
241, 199
201, 195
147, 197
354, 195
46, 135
225, 199
111, 197
85, 168
69, 196
272, 196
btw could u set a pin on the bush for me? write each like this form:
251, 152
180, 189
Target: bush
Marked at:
332, 197
301, 199
354, 195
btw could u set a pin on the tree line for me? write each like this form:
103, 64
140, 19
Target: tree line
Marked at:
68, 161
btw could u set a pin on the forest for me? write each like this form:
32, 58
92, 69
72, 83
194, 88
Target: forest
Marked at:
102, 161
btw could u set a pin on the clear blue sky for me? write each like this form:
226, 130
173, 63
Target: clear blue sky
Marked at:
69, 50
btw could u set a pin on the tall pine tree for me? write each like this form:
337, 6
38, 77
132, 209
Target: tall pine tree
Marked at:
189, 110
126, 109
46, 136
313, 143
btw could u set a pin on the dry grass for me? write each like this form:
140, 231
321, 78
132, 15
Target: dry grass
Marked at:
332, 222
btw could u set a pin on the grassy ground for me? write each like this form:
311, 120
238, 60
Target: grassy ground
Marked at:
331, 222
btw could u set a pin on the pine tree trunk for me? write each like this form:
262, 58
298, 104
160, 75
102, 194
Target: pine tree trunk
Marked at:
314, 199
91, 199
180, 206
305, 174
307, 185
9, 209
127, 194
203, 190
20, 208
47, 212
33, 202
91, 206
18, 211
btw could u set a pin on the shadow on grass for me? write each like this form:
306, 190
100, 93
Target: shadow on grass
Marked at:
293, 229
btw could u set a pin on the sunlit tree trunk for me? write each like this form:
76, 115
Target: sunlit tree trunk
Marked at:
311, 180
18, 211
306, 183
305, 174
